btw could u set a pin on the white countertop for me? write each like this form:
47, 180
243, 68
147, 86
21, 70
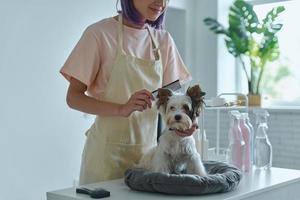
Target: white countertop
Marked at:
276, 183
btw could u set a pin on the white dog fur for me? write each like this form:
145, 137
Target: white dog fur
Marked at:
176, 154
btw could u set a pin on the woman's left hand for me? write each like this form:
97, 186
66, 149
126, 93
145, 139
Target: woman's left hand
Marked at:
187, 132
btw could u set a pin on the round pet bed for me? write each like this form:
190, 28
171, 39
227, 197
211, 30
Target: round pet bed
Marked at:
221, 178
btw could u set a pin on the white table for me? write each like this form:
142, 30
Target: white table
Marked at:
276, 183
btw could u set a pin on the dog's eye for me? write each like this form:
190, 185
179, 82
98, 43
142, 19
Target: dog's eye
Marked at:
172, 108
185, 107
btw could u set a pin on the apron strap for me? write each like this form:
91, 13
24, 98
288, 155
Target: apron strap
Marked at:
120, 35
155, 46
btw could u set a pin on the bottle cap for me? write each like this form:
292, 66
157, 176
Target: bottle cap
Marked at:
261, 115
244, 115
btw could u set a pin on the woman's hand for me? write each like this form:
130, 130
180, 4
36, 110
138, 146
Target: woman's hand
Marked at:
139, 101
187, 132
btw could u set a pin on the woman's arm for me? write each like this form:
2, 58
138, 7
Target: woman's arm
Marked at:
78, 100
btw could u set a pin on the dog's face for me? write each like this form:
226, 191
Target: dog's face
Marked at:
180, 110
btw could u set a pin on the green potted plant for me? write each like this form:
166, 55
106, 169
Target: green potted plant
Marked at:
250, 40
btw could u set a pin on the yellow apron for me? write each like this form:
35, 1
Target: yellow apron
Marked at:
114, 144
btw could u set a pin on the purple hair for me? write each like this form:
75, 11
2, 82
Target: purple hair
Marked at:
131, 14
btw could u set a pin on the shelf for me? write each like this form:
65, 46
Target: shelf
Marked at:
224, 107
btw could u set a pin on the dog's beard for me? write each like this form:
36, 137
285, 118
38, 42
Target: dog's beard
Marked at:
184, 124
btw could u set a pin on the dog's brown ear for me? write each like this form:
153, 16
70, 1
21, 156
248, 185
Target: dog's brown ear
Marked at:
197, 97
163, 96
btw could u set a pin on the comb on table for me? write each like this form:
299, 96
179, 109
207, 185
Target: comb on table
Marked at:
96, 193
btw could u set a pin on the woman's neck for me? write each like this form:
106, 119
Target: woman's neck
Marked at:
131, 24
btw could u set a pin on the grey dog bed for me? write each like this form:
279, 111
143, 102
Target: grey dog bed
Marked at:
221, 178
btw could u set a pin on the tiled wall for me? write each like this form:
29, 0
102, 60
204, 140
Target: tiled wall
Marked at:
284, 134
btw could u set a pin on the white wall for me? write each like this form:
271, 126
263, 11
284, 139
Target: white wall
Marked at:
176, 21
205, 47
41, 138
226, 66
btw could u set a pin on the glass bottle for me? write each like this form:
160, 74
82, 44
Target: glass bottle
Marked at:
202, 144
236, 141
247, 120
247, 136
262, 145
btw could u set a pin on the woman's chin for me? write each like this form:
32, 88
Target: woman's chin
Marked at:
153, 17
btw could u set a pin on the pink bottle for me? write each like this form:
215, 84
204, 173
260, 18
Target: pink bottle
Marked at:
246, 133
236, 141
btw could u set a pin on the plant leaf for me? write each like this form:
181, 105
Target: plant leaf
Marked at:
215, 26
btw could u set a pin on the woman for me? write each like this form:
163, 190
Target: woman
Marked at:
112, 71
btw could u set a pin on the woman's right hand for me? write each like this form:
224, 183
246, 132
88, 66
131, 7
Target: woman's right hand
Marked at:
139, 101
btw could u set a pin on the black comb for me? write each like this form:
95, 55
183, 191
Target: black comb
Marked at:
175, 85
96, 193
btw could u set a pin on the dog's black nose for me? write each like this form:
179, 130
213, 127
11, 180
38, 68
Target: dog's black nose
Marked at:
177, 117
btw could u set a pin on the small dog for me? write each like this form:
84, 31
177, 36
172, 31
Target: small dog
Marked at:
175, 154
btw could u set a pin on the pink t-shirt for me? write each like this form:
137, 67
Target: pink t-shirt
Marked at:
92, 58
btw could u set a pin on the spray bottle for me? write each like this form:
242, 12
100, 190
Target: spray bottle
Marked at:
236, 141
247, 136
262, 145
248, 123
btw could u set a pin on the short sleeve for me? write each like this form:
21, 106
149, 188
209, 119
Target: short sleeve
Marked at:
174, 67
83, 63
